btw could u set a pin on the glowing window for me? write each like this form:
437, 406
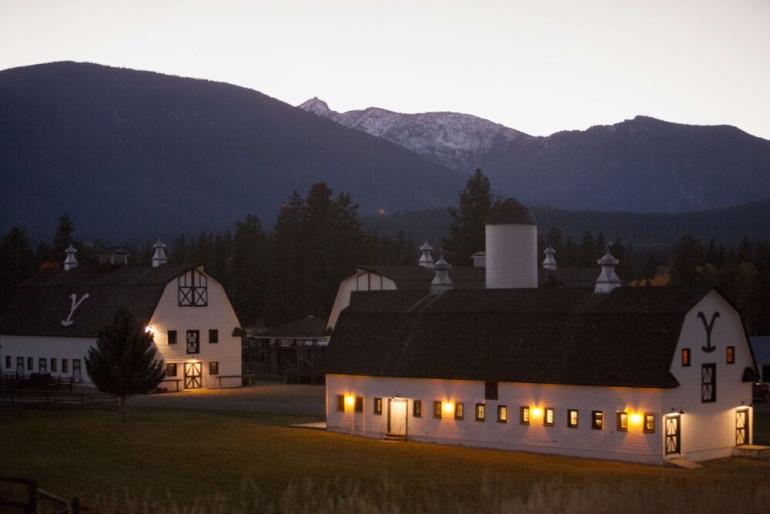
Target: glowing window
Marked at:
481, 412
572, 418
437, 410
459, 410
549, 417
417, 409
524, 415
502, 414
378, 406
649, 423
597, 420
685, 357
730, 351
622, 421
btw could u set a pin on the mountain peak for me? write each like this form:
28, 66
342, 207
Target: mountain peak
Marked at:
316, 106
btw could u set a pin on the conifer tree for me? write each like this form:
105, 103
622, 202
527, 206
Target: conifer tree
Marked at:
466, 233
124, 361
63, 238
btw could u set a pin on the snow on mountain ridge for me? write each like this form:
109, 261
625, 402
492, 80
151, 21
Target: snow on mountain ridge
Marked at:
452, 139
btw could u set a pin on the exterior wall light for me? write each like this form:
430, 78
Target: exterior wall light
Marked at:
537, 412
636, 418
350, 401
448, 407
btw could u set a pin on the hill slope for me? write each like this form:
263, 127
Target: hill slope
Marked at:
138, 153
640, 165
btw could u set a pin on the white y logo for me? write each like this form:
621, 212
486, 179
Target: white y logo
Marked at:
75, 303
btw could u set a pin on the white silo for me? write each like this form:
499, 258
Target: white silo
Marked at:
511, 247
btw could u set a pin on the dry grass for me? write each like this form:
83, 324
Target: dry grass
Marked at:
194, 463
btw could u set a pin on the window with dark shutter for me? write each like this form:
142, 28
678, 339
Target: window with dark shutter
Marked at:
65, 366
524, 415
213, 336
417, 409
340, 403
8, 362
53, 365
459, 410
708, 383
481, 412
193, 341
597, 420
378, 406
171, 334
490, 390
192, 289
649, 423
730, 354
622, 421
359, 404
437, 410
171, 370
214, 368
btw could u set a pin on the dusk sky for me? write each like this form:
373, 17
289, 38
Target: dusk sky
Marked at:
538, 67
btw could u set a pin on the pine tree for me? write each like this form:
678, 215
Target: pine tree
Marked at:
687, 257
587, 253
466, 233
248, 269
62, 239
124, 361
16, 263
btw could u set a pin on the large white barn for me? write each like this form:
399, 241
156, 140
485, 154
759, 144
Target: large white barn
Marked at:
635, 374
54, 318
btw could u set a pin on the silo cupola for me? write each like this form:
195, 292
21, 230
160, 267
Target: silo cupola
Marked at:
426, 257
607, 279
70, 261
441, 280
159, 257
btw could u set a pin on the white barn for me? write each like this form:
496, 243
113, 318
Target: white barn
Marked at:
54, 318
634, 374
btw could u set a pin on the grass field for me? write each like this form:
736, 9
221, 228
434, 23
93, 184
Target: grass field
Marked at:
191, 462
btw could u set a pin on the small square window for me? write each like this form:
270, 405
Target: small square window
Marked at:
213, 368
437, 410
53, 365
171, 370
359, 404
417, 408
549, 417
597, 420
730, 351
572, 418
649, 423
524, 415
340, 403
459, 410
213, 336
622, 421
490, 390
171, 334
481, 412
65, 366
502, 414
378, 406
685, 357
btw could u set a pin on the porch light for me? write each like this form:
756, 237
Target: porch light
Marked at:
448, 407
636, 418
350, 400
537, 412
149, 329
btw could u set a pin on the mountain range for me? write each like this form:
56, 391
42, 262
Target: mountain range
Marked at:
132, 155
639, 165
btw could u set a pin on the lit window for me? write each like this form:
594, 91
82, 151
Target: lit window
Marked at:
213, 336
459, 410
417, 409
171, 335
524, 415
708, 383
502, 414
490, 390
730, 350
481, 412
437, 410
622, 421
572, 418
378, 406
649, 423
213, 368
359, 404
685, 357
340, 403
170, 370
597, 420
548, 419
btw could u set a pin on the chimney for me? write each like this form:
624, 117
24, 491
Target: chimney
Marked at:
549, 263
511, 247
479, 260
70, 262
607, 279
159, 257
441, 281
426, 258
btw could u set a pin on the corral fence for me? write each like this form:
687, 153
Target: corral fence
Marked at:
35, 381
22, 400
22, 495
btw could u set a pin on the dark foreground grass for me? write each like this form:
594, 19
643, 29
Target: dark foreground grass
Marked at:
193, 462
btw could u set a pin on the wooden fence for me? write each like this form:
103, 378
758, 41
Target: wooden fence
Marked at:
30, 497
20, 399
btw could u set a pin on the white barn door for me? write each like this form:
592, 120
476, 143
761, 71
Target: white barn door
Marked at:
397, 412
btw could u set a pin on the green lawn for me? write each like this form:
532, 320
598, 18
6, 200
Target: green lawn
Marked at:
186, 457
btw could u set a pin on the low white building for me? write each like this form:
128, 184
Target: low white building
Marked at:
635, 374
54, 318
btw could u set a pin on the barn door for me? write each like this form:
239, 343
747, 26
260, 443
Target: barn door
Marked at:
741, 427
193, 373
673, 435
77, 375
397, 417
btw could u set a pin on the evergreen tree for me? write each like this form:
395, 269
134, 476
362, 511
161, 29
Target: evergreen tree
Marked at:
248, 269
466, 233
62, 239
570, 253
587, 253
124, 361
687, 257
16, 263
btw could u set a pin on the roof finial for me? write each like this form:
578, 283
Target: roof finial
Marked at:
607, 279
70, 261
441, 280
426, 257
159, 257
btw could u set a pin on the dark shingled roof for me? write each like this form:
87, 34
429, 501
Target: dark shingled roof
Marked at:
419, 278
546, 335
309, 326
510, 212
39, 305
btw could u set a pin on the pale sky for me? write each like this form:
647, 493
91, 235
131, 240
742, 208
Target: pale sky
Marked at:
537, 66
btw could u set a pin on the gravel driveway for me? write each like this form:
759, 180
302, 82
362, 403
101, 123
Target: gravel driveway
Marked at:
265, 397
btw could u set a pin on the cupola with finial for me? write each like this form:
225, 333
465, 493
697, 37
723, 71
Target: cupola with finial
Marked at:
70, 261
441, 280
159, 257
426, 257
607, 279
